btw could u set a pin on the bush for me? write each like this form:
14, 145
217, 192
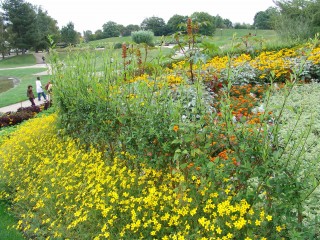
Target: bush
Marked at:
117, 45
13, 118
22, 114
146, 37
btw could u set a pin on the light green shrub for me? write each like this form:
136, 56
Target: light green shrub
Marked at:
142, 36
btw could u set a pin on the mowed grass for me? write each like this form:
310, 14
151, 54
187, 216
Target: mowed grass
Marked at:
220, 38
18, 61
7, 232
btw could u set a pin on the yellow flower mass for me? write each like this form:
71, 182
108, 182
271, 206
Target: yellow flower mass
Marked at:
70, 187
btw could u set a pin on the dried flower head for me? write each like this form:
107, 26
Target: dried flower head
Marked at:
124, 50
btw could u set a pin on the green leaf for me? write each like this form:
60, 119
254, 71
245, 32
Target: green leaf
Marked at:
210, 165
184, 165
176, 141
185, 152
195, 151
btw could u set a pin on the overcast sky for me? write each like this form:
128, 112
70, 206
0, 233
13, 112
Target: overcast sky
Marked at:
92, 14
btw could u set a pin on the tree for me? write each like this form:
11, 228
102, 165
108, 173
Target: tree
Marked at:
129, 29
45, 25
297, 19
242, 26
98, 34
111, 29
206, 23
227, 23
261, 20
219, 22
88, 36
69, 35
21, 19
155, 24
4, 36
264, 19
177, 23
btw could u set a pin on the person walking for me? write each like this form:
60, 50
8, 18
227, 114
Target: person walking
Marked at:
40, 90
30, 95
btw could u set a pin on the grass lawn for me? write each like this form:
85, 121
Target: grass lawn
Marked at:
6, 220
18, 61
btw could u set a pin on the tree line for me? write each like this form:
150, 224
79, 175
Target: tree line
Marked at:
24, 26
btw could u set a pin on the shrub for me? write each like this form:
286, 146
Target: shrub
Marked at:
13, 118
117, 45
22, 114
142, 36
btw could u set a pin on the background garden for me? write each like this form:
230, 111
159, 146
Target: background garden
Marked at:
214, 138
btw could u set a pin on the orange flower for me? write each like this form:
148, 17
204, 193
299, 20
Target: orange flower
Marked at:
175, 128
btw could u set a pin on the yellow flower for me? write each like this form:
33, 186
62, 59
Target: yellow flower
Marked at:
278, 228
269, 218
175, 128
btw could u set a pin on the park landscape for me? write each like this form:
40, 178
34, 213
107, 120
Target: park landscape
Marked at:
220, 142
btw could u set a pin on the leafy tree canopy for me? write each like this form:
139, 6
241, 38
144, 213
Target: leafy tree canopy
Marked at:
155, 24
206, 23
112, 29
129, 29
298, 19
69, 35
177, 23
22, 19
265, 19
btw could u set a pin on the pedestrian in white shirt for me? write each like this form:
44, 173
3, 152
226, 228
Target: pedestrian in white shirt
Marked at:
40, 90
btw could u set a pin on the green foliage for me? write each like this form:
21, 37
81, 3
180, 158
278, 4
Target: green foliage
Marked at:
298, 19
45, 25
176, 23
205, 21
7, 221
298, 144
129, 29
117, 45
69, 35
155, 24
28, 26
264, 19
142, 36
21, 16
4, 37
111, 29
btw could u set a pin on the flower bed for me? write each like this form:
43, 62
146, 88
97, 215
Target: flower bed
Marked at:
174, 154
22, 114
